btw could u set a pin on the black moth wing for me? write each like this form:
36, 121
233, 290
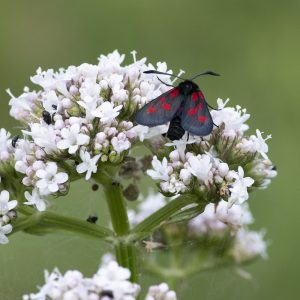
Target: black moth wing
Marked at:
195, 116
161, 109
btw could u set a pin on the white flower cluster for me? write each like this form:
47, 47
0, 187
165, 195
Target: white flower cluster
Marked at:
216, 221
248, 245
216, 163
160, 292
110, 282
177, 175
7, 213
81, 117
6, 147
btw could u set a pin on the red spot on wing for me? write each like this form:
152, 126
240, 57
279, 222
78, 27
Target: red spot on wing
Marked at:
201, 95
166, 106
195, 96
151, 109
162, 99
200, 106
202, 119
192, 111
174, 93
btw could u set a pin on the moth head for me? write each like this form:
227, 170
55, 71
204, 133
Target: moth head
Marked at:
187, 87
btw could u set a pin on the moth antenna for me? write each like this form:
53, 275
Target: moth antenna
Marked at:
205, 73
162, 73
212, 107
164, 82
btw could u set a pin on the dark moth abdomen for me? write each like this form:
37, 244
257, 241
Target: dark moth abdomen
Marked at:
175, 131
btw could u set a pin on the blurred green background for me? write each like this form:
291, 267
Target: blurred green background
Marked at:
255, 45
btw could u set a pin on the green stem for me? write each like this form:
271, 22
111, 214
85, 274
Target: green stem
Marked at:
47, 220
117, 208
154, 221
125, 250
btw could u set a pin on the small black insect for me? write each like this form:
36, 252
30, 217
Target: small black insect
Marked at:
14, 141
47, 117
95, 187
108, 294
184, 107
92, 219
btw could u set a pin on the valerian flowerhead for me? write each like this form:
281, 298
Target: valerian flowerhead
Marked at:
80, 123
225, 165
215, 227
110, 282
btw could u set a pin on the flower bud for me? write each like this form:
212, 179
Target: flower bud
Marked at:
223, 169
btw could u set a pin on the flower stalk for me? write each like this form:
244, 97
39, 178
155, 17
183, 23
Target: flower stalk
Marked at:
124, 249
154, 221
48, 220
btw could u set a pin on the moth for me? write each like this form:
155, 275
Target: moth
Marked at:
184, 106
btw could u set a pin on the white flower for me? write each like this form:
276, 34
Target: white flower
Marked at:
181, 145
223, 169
119, 95
200, 166
239, 193
111, 63
43, 135
88, 165
72, 139
217, 218
161, 170
49, 179
35, 199
248, 245
112, 271
145, 132
21, 106
185, 175
90, 91
115, 278
160, 292
44, 78
120, 142
256, 144
207, 222
236, 217
89, 107
107, 112
174, 185
5, 204
4, 137
6, 229
50, 101
233, 119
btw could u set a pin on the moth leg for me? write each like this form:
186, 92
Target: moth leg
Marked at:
188, 136
216, 125
164, 82
212, 107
